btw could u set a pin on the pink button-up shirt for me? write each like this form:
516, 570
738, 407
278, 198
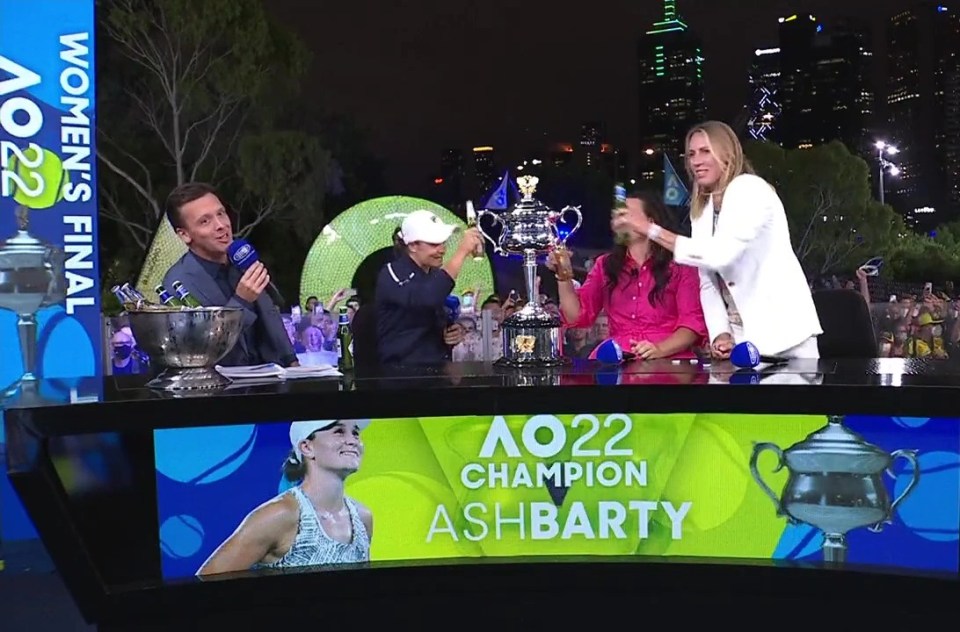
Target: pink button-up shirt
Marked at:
628, 309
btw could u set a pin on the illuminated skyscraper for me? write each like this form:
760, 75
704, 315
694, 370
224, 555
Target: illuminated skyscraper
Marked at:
591, 137
764, 99
815, 86
484, 170
923, 112
798, 121
670, 60
843, 98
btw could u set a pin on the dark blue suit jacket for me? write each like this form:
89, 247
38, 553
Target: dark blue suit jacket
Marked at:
274, 344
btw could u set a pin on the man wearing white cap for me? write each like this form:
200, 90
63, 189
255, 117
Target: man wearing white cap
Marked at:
313, 522
412, 326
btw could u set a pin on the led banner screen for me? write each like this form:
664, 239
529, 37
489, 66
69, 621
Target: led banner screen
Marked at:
49, 280
50, 323
881, 491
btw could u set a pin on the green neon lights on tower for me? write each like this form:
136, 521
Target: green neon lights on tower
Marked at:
670, 21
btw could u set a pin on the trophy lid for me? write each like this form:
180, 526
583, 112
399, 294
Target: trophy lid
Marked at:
23, 242
835, 448
527, 202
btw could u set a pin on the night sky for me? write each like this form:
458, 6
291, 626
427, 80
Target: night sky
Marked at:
421, 75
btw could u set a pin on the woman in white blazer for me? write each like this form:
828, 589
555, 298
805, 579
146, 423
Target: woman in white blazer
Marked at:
751, 284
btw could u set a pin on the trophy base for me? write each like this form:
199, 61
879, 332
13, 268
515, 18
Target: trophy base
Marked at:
188, 380
522, 363
531, 339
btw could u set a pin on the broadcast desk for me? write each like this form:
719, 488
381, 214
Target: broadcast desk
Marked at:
537, 496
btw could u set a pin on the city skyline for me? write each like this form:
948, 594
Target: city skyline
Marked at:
519, 78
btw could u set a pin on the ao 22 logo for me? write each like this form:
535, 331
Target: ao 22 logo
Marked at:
21, 79
499, 435
24, 163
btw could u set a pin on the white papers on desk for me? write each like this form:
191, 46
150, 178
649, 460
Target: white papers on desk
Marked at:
268, 371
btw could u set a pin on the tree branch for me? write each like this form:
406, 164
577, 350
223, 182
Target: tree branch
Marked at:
226, 110
130, 180
148, 178
153, 122
806, 245
110, 209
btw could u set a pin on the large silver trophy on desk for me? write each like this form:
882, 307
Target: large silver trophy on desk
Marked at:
531, 336
835, 484
31, 277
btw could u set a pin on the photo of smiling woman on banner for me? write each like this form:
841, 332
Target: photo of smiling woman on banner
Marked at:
312, 523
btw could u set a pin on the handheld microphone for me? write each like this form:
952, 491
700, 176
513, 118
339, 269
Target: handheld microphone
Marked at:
452, 307
243, 255
745, 355
609, 352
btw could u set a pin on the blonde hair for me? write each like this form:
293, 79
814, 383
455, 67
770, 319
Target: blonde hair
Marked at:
726, 148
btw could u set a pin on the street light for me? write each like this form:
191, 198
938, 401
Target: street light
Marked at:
883, 147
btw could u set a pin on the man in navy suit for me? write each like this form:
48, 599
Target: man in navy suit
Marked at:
202, 221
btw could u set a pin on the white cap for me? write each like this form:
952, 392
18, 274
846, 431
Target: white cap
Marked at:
426, 227
300, 430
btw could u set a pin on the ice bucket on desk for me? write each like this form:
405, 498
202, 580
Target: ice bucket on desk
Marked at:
186, 343
531, 336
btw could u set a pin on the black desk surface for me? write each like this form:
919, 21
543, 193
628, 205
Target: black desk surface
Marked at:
120, 587
882, 386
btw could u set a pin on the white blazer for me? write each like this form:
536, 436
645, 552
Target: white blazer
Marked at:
751, 250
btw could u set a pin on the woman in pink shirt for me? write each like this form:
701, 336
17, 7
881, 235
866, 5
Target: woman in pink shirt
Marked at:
652, 303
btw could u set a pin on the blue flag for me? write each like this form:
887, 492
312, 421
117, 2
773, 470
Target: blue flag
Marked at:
674, 190
499, 198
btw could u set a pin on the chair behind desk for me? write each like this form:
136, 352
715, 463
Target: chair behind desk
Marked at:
847, 325
364, 328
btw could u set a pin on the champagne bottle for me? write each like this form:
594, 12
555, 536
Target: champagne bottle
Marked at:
131, 299
122, 297
344, 342
166, 298
619, 206
132, 292
185, 296
472, 223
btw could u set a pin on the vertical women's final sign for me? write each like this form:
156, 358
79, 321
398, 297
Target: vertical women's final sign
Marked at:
50, 324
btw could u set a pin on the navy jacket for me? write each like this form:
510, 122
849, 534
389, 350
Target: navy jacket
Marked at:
410, 313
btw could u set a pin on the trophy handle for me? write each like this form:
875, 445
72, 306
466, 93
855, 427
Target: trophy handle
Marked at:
911, 456
758, 448
496, 220
568, 209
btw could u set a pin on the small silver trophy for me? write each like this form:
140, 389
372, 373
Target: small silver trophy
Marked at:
31, 277
531, 336
835, 484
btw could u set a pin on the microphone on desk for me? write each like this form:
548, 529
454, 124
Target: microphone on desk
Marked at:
243, 255
746, 356
609, 352
451, 305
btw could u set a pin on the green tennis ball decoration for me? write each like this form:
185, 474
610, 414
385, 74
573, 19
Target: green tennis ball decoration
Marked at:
51, 172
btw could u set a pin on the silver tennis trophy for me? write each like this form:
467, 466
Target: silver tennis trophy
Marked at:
835, 484
531, 336
31, 277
